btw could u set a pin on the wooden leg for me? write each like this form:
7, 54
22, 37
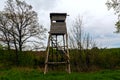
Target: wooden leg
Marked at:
46, 61
46, 65
69, 70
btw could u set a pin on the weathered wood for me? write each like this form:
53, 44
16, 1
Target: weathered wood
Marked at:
58, 24
58, 16
56, 62
46, 65
69, 70
58, 28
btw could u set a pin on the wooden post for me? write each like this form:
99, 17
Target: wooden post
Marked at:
68, 60
46, 61
64, 42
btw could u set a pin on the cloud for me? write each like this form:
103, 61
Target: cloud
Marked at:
43, 4
2, 3
98, 21
109, 42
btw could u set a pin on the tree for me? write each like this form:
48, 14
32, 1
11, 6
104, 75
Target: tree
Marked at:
23, 27
88, 42
76, 35
79, 39
4, 30
24, 22
81, 42
115, 5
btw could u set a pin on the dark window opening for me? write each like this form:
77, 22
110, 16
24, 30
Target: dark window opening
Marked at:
60, 20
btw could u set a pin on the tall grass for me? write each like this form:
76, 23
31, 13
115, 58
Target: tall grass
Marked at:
35, 74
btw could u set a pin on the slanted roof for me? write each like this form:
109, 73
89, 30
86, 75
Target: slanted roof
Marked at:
58, 14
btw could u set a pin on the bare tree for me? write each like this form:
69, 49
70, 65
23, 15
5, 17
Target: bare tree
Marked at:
24, 23
88, 42
20, 24
79, 39
82, 43
77, 33
4, 30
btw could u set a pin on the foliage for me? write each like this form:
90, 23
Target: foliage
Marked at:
95, 59
26, 59
115, 5
89, 60
34, 74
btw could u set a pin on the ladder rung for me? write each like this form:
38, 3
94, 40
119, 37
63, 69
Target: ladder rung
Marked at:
56, 62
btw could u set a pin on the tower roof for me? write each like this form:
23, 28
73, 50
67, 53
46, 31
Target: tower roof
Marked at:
58, 14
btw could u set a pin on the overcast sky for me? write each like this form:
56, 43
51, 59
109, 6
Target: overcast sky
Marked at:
97, 20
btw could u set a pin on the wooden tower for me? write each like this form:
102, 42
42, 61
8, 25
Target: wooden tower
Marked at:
57, 42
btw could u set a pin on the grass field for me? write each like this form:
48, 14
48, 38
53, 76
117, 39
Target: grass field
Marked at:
35, 74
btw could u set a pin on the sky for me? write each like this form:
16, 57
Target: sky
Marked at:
97, 20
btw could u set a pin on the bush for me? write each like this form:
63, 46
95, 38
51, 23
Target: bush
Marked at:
86, 60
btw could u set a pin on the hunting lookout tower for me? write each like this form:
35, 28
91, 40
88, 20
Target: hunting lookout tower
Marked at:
57, 47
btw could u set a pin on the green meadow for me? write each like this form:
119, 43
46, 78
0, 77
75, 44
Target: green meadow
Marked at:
104, 64
36, 74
